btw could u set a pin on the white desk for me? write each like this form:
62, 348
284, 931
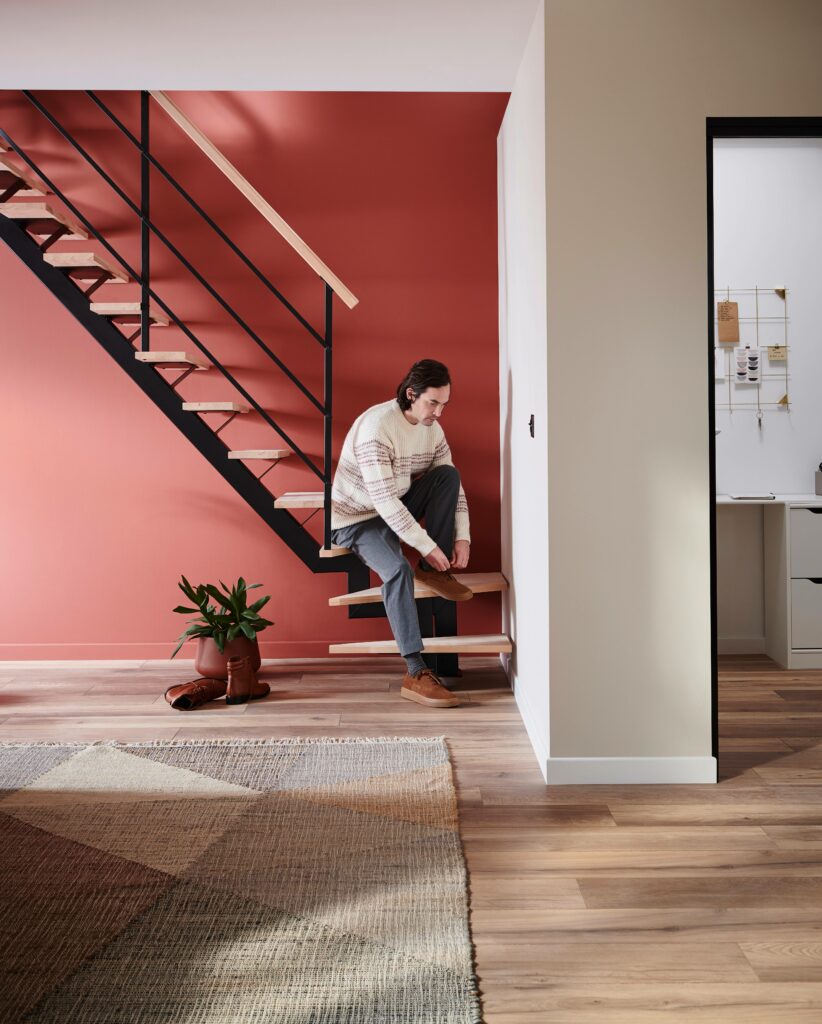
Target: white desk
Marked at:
792, 576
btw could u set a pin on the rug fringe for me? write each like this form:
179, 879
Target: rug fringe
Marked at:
225, 741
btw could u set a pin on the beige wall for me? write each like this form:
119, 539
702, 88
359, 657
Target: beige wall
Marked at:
629, 85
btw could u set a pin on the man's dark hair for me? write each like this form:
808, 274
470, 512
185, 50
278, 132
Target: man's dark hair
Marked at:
427, 373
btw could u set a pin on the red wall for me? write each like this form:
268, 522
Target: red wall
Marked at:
105, 503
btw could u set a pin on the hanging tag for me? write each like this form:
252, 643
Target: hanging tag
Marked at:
727, 315
778, 353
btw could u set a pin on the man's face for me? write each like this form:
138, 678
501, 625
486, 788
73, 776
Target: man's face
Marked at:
430, 404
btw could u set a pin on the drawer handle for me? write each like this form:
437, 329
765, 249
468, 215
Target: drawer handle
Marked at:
815, 511
816, 580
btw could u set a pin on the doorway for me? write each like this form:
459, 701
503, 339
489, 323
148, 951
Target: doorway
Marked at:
764, 207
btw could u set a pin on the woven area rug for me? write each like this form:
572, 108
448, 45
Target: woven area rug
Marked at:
292, 881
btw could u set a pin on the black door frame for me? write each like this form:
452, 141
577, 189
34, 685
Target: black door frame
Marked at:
732, 128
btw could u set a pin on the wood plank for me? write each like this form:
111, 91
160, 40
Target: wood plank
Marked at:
170, 360
91, 261
215, 407
300, 499
127, 312
267, 454
38, 218
334, 552
33, 186
485, 644
479, 582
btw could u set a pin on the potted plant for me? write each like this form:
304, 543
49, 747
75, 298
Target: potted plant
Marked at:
227, 626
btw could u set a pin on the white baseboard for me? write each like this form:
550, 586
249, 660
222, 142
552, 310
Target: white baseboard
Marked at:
569, 771
740, 645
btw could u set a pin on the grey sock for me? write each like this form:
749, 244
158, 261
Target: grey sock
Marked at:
415, 663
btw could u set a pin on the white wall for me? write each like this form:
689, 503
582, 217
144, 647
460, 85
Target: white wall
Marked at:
629, 86
767, 231
523, 388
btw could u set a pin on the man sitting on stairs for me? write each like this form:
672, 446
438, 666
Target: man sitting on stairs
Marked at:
395, 468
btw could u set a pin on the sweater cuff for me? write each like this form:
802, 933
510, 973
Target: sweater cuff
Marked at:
427, 546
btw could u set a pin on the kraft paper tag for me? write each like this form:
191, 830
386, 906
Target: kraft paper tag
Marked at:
777, 353
727, 315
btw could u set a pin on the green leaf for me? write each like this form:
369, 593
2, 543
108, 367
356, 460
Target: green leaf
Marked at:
183, 610
215, 593
249, 632
258, 604
233, 633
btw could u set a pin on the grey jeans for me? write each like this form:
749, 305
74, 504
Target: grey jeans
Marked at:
434, 496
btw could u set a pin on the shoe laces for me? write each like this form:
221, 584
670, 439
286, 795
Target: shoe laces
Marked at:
428, 672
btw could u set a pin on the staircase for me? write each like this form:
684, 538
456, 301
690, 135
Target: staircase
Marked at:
35, 217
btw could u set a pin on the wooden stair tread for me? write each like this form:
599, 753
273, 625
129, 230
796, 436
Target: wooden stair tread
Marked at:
334, 552
32, 185
169, 360
84, 261
127, 312
479, 582
38, 214
269, 454
215, 407
493, 643
300, 499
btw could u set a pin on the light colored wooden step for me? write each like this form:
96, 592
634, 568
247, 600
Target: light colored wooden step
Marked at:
86, 266
41, 218
214, 407
300, 499
478, 582
497, 643
334, 552
268, 454
172, 360
33, 187
126, 313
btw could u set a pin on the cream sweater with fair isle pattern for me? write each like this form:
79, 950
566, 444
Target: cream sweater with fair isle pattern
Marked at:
380, 454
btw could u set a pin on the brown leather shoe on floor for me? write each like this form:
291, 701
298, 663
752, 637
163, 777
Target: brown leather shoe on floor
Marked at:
187, 696
443, 584
243, 684
425, 688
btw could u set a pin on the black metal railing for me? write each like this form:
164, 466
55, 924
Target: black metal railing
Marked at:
147, 293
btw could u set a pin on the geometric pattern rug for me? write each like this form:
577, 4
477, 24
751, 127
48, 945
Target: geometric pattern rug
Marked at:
213, 881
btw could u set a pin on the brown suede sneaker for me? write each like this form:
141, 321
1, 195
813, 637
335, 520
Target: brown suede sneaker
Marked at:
243, 684
425, 688
443, 584
187, 696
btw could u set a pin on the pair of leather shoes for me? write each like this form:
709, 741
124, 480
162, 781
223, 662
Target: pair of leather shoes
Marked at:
243, 684
426, 688
187, 696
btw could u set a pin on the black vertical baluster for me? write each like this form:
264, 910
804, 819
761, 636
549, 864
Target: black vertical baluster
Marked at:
327, 397
145, 235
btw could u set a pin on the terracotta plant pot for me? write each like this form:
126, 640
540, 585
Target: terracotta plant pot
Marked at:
210, 663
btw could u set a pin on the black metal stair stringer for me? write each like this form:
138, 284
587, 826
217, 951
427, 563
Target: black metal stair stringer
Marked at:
234, 472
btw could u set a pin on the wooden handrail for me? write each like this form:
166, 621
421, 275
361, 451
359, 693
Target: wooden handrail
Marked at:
256, 200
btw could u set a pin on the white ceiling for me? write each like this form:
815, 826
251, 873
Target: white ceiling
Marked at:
390, 45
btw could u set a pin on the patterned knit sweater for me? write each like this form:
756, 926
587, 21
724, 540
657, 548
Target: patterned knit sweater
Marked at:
379, 456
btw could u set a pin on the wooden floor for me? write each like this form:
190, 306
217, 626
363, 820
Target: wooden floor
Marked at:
622, 904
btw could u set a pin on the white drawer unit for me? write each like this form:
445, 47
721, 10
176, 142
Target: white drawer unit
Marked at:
806, 614
792, 571
806, 543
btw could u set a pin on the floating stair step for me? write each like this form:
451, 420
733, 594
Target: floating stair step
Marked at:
9, 174
172, 360
479, 582
126, 313
214, 407
42, 219
86, 266
334, 552
300, 499
268, 454
497, 643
